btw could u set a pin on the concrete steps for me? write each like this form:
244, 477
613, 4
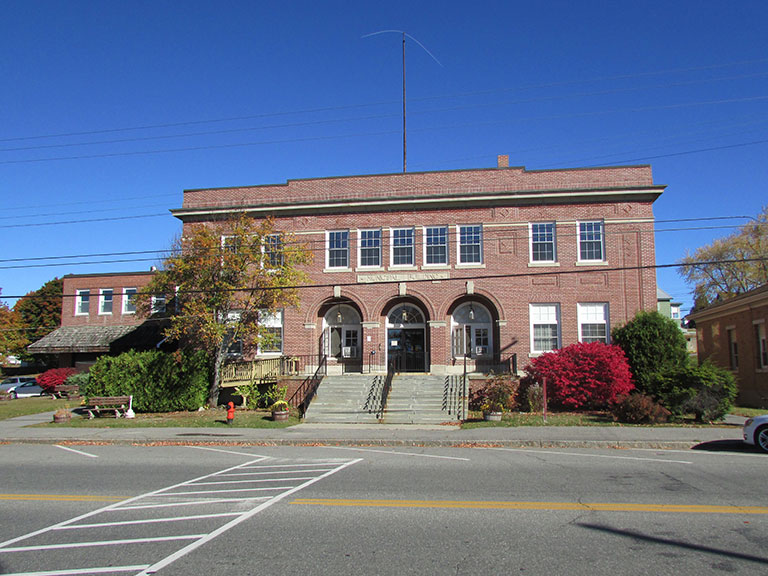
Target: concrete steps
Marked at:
416, 399
343, 399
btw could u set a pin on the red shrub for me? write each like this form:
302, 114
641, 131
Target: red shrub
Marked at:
54, 377
583, 376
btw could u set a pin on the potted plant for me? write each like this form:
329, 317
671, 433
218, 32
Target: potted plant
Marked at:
280, 410
492, 410
62, 415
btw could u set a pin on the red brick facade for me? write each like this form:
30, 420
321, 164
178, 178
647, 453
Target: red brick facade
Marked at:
732, 334
497, 207
96, 285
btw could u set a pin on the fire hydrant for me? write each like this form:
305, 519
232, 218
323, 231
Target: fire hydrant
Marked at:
230, 412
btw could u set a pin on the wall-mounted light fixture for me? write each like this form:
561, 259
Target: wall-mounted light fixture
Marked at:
339, 317
471, 312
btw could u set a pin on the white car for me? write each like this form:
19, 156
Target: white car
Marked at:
756, 432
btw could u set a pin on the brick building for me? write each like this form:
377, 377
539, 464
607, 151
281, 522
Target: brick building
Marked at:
434, 269
733, 335
98, 316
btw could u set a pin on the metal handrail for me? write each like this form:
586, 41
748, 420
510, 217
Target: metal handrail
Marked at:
385, 389
303, 395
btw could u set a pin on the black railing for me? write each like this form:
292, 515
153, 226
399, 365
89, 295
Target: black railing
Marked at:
386, 388
496, 364
307, 389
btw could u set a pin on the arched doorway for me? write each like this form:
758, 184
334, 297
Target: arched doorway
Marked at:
472, 331
341, 336
407, 339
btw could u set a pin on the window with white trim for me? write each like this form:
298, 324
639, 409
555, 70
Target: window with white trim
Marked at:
370, 248
337, 249
158, 304
761, 346
271, 332
593, 322
106, 295
470, 240
82, 302
543, 242
129, 300
591, 241
273, 250
435, 245
402, 247
545, 327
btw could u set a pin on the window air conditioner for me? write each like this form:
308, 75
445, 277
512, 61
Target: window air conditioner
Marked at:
481, 350
349, 352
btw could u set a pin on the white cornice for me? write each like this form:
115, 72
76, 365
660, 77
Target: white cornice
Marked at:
388, 204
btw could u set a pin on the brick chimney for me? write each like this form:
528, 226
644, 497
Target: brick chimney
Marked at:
502, 161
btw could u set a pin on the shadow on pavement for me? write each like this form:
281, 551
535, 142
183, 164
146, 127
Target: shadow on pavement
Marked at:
726, 446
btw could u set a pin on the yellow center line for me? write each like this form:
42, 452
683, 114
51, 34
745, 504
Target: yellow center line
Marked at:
581, 506
62, 497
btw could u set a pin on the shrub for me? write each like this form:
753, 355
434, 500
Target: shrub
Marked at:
582, 376
706, 391
158, 381
498, 394
535, 397
639, 409
79, 379
49, 379
653, 345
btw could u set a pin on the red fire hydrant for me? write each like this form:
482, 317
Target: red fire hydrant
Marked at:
230, 412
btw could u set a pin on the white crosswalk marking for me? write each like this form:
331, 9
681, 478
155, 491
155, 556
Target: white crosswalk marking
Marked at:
258, 486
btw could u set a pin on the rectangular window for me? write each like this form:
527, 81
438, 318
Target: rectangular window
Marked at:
481, 342
761, 346
158, 304
271, 333
471, 244
105, 300
593, 323
591, 241
402, 247
436, 245
545, 327
370, 248
337, 242
129, 300
273, 250
82, 303
543, 242
733, 349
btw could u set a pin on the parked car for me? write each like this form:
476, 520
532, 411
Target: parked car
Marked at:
14, 381
26, 390
756, 432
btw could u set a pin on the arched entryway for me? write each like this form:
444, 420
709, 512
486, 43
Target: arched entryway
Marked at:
407, 338
341, 340
472, 331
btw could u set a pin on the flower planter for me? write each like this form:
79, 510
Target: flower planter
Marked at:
492, 416
281, 415
62, 418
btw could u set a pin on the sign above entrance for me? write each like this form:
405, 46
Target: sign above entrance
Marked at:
402, 277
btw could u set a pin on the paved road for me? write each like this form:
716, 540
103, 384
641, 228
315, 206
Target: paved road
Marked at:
381, 510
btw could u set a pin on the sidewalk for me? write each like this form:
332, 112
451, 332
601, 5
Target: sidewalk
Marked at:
17, 430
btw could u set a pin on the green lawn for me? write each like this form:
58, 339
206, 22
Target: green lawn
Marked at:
203, 419
25, 406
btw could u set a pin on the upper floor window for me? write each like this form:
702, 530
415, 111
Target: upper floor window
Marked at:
82, 302
591, 241
402, 247
436, 245
273, 250
370, 248
105, 300
337, 252
593, 323
471, 244
543, 242
129, 300
545, 327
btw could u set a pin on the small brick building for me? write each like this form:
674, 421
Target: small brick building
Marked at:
429, 270
98, 316
732, 334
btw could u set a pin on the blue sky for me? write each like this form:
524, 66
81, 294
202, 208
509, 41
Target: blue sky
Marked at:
109, 110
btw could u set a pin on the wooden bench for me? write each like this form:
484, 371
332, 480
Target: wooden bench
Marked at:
66, 391
115, 404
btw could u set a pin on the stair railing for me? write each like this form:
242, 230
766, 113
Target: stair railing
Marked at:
307, 389
385, 389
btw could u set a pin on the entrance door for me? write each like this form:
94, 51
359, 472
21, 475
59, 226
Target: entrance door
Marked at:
406, 349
